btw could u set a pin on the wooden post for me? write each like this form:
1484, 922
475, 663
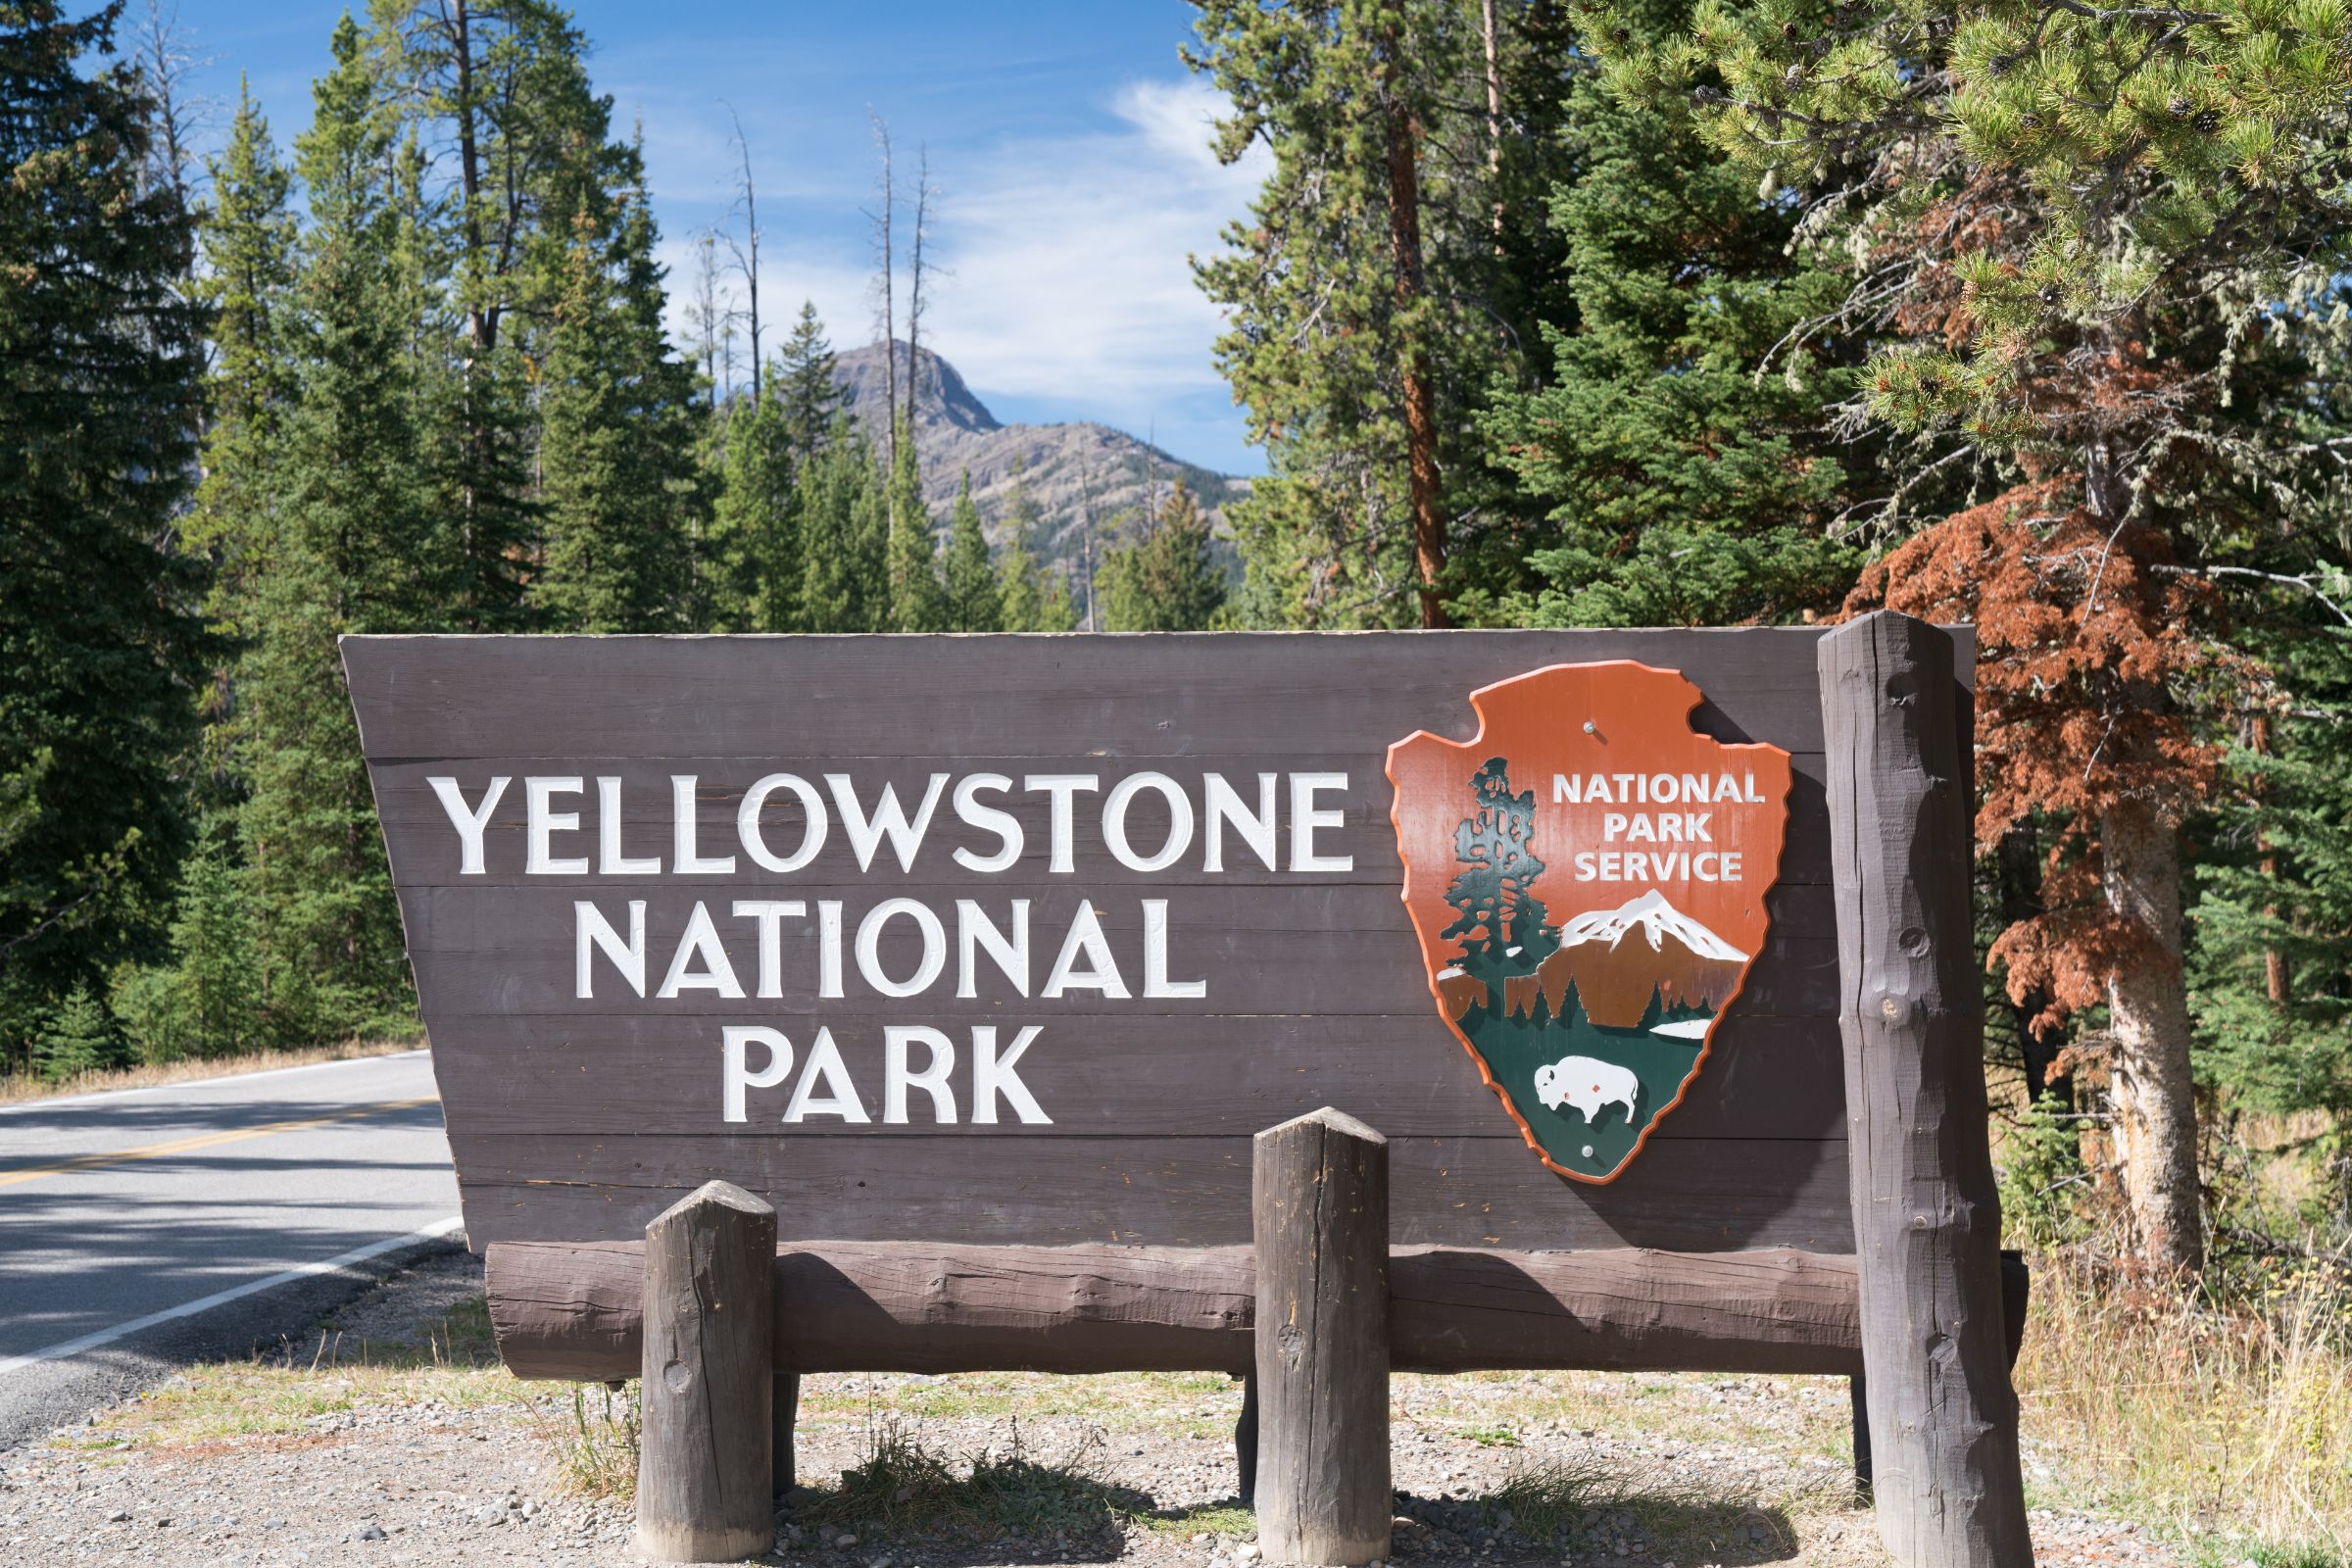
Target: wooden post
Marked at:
1943, 1417
1244, 1441
787, 1410
1857, 1389
1319, 1210
703, 1475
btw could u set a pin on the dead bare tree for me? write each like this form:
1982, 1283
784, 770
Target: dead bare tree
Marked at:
884, 282
713, 330
924, 193
746, 251
160, 51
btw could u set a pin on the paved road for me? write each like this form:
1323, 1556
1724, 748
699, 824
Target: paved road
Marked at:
147, 1226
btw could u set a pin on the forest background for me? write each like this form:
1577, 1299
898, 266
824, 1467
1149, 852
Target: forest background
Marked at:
1667, 312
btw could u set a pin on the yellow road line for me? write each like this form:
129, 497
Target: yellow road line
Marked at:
183, 1146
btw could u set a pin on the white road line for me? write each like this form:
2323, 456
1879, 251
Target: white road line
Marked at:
327, 1265
201, 1083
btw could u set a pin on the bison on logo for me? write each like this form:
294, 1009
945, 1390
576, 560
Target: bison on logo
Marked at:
1588, 878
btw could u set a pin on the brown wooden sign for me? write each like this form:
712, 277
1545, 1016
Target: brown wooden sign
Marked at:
1020, 939
1090, 1003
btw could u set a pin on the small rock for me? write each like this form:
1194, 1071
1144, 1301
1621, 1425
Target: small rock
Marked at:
368, 1532
844, 1543
119, 1516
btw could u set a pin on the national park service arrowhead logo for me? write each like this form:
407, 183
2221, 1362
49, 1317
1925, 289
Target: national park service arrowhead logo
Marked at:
1588, 881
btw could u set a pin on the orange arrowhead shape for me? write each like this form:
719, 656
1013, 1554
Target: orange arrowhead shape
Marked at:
1588, 878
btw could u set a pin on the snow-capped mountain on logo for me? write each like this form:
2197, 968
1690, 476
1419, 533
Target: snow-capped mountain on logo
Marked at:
1681, 962
1656, 918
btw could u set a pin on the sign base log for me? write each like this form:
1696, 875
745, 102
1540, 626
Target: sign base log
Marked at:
1319, 1211
574, 1309
1945, 1482
703, 1473
787, 1402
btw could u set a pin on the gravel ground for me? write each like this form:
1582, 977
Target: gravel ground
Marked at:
457, 1466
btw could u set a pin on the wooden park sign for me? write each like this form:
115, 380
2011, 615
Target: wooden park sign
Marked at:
1000, 985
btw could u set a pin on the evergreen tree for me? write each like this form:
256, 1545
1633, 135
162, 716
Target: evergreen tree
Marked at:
1493, 896
1030, 597
803, 385
2089, 240
1168, 579
1678, 450
207, 1001
1392, 269
845, 579
973, 599
497, 92
100, 639
358, 548
917, 601
755, 523
80, 1039
248, 238
617, 447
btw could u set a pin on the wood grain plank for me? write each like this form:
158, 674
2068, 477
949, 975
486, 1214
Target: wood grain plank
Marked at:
1691, 1195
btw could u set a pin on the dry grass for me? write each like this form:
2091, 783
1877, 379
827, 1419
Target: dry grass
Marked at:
20, 1086
2232, 1424
287, 1390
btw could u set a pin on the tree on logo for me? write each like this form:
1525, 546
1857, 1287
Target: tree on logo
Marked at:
1493, 896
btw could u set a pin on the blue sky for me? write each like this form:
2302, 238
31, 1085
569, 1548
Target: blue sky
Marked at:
1069, 141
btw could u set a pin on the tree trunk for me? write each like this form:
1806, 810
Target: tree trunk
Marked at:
1420, 397
2148, 1003
2277, 982
2018, 869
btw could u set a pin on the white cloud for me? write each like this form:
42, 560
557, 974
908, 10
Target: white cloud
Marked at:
1069, 257
1065, 274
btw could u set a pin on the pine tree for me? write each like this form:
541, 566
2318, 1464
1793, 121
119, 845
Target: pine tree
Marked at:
1678, 451
358, 548
1030, 597
973, 599
98, 614
499, 90
248, 238
845, 581
1493, 896
917, 601
1393, 266
616, 446
1168, 579
803, 385
80, 1039
207, 1001
2050, 220
755, 523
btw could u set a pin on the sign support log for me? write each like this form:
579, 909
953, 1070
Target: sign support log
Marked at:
704, 1474
787, 1411
1943, 1417
1320, 1212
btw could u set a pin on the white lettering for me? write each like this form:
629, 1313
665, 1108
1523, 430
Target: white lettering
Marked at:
1306, 817
988, 819
542, 822
813, 826
889, 821
897, 1079
684, 809
593, 931
993, 1075
735, 1076
469, 821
